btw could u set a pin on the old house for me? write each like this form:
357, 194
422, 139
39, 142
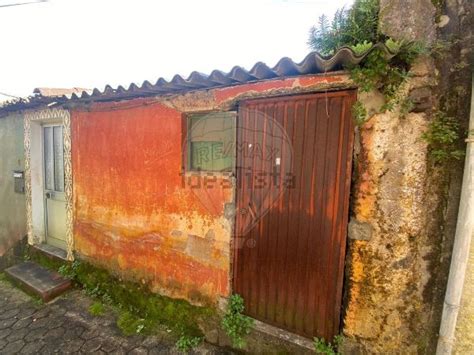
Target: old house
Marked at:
151, 183
258, 182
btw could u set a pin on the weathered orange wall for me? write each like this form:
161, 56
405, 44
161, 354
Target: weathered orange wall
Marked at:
131, 212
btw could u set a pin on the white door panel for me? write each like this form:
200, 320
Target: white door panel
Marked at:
55, 217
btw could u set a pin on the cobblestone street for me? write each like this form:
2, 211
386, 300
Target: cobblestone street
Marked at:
65, 326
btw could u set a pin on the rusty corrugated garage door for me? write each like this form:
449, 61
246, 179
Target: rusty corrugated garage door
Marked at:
293, 180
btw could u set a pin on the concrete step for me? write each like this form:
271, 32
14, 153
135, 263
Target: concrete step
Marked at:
50, 252
35, 279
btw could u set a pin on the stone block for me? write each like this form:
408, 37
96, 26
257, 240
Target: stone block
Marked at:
412, 20
360, 230
422, 99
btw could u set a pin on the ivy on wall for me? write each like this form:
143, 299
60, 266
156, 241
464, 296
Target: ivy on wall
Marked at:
385, 68
442, 137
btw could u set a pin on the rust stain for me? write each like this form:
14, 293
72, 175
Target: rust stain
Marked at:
366, 188
319, 79
231, 92
225, 94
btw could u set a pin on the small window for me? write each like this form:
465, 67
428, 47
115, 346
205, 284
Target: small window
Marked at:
211, 141
53, 158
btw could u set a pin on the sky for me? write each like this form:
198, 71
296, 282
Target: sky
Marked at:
91, 43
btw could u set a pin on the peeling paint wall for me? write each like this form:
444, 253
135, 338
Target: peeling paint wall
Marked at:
132, 213
12, 205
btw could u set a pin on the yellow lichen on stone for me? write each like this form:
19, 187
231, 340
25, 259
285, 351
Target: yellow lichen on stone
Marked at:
387, 272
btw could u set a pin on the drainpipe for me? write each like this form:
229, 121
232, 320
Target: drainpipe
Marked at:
462, 241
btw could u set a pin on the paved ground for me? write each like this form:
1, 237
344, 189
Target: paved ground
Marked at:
65, 326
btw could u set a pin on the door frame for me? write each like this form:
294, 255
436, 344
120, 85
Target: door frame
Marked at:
34, 174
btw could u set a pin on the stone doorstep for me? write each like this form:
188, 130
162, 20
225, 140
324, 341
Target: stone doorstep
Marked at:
50, 252
36, 279
283, 335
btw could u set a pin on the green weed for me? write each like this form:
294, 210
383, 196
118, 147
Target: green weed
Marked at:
322, 347
236, 324
130, 324
139, 309
97, 309
442, 137
186, 343
359, 113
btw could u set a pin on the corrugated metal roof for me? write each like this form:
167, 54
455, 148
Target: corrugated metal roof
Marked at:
314, 63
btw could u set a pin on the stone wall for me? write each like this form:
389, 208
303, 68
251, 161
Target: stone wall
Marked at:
404, 206
391, 244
